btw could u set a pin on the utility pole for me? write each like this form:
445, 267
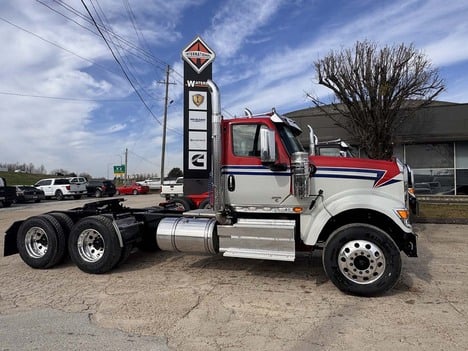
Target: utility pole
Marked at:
166, 103
126, 164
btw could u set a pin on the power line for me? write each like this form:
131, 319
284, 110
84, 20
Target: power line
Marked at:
143, 158
65, 98
122, 68
144, 55
124, 44
120, 65
54, 44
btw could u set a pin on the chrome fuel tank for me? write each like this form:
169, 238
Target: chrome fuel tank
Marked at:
197, 235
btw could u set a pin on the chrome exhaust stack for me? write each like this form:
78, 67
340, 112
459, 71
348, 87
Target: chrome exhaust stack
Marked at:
313, 140
218, 191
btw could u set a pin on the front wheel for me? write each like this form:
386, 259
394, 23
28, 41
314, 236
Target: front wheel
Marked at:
135, 192
361, 259
93, 245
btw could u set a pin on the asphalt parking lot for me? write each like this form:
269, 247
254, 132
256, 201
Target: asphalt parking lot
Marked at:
171, 301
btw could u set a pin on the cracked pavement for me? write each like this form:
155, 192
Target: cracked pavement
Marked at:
175, 301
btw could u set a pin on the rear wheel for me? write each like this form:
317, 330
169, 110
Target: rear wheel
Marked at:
135, 192
182, 204
98, 193
361, 259
41, 241
59, 195
205, 204
65, 221
93, 245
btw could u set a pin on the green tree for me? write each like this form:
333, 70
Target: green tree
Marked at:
375, 90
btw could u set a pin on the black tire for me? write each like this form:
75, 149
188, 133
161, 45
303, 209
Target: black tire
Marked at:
41, 241
37, 201
182, 204
126, 251
98, 193
65, 221
135, 192
205, 204
77, 197
7, 203
361, 259
59, 195
93, 245
66, 224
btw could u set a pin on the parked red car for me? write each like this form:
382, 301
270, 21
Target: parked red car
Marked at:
132, 189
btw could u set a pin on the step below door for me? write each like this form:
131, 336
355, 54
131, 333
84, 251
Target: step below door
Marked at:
266, 239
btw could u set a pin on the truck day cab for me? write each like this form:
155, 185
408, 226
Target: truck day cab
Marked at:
271, 201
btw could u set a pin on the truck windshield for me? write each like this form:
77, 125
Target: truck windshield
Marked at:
289, 139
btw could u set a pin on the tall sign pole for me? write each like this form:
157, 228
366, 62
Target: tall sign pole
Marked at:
198, 58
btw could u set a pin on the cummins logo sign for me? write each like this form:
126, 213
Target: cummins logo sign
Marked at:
198, 55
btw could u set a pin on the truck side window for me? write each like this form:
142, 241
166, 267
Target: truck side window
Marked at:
245, 139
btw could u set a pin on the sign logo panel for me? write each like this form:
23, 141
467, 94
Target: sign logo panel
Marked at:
198, 160
198, 55
197, 100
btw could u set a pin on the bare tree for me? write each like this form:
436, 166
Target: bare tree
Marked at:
375, 90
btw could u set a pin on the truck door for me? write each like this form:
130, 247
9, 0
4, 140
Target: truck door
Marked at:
248, 182
46, 186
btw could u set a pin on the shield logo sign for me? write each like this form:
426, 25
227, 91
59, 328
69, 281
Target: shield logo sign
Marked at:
198, 99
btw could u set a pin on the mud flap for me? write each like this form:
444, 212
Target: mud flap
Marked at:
409, 245
10, 247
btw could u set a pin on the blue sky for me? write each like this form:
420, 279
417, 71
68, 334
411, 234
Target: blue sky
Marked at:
64, 102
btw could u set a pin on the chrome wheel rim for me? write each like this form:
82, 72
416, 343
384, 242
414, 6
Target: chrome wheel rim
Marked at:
361, 261
90, 245
36, 242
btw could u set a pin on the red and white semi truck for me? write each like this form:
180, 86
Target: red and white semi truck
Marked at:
270, 201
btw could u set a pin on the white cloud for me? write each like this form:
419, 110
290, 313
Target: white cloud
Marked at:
236, 21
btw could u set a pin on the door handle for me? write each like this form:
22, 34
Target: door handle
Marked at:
231, 183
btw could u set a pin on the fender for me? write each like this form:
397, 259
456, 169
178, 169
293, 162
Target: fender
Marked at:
312, 223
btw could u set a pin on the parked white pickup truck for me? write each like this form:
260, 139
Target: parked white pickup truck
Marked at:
152, 183
61, 187
172, 190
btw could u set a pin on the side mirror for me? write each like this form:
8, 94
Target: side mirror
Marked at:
267, 145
